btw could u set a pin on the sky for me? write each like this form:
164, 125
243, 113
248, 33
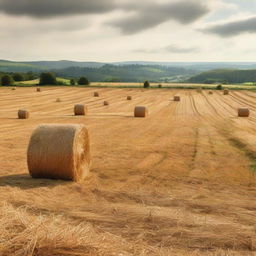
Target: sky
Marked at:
128, 30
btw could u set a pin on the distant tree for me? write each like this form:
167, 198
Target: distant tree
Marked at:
18, 77
83, 81
31, 76
219, 87
6, 80
47, 78
72, 82
146, 84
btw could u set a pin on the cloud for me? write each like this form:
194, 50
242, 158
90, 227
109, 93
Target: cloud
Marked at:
233, 28
153, 14
170, 49
181, 50
48, 8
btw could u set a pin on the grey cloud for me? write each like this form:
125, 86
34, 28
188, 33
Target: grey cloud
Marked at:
233, 28
171, 49
48, 8
181, 50
154, 14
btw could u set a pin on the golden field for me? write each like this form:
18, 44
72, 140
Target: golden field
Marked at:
179, 182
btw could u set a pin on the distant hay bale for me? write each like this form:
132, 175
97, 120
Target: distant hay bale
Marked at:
243, 112
96, 94
226, 92
14, 88
176, 98
105, 103
199, 90
38, 89
140, 111
59, 152
210, 92
23, 114
129, 97
80, 110
58, 100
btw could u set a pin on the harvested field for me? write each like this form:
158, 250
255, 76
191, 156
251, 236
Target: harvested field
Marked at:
178, 182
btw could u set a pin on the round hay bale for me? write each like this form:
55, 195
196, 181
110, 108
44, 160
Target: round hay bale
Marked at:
23, 114
243, 112
96, 94
226, 92
140, 111
210, 92
176, 98
14, 88
199, 90
105, 103
38, 89
59, 152
80, 110
58, 100
129, 97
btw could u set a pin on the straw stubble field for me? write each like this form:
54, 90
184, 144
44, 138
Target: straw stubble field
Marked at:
179, 182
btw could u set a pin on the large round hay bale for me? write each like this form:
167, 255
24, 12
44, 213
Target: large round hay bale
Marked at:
176, 98
210, 92
140, 111
23, 114
226, 92
96, 94
59, 152
105, 103
80, 110
38, 89
129, 97
243, 112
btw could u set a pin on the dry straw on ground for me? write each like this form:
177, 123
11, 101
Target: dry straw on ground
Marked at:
176, 98
23, 114
140, 111
243, 112
59, 152
80, 110
129, 97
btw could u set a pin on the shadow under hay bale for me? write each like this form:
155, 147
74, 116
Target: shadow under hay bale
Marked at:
59, 152
24, 181
140, 111
176, 98
80, 110
243, 112
23, 114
